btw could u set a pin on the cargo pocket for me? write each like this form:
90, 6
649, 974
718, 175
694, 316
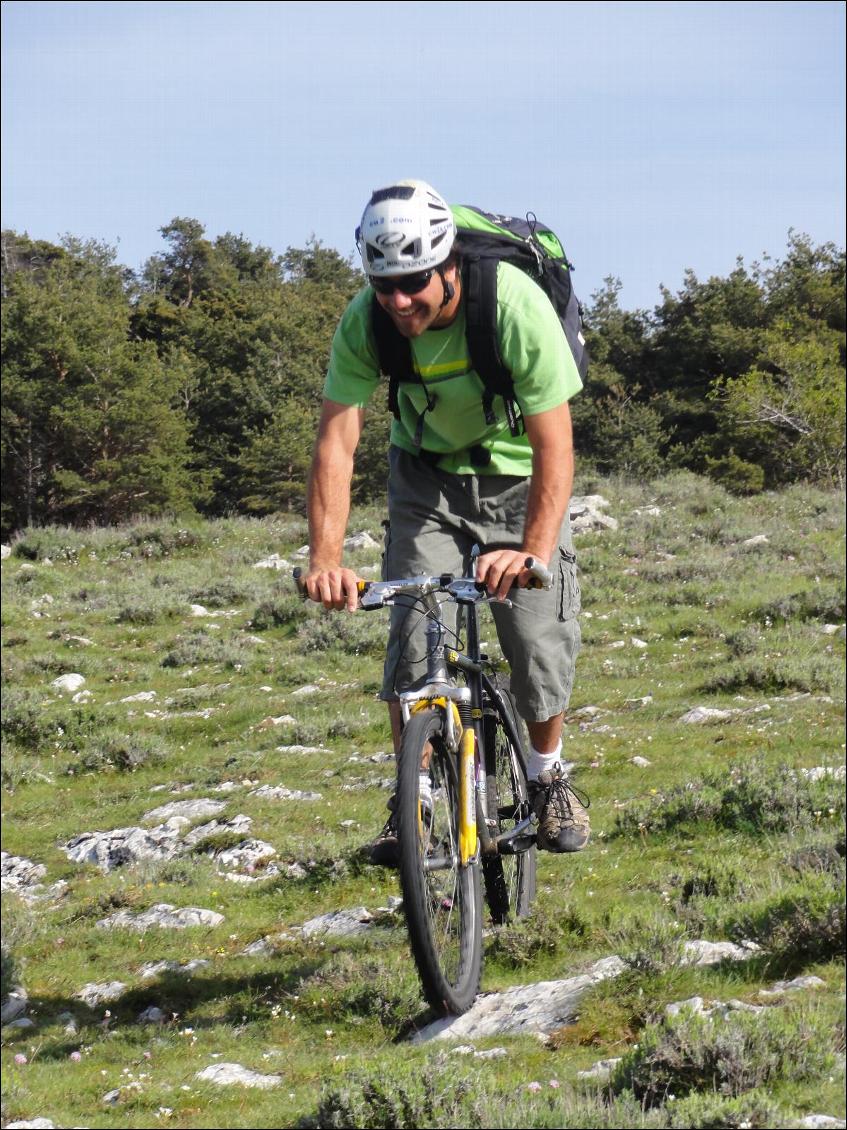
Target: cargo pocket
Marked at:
570, 599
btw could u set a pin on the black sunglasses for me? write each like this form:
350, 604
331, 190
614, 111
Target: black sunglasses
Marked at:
406, 284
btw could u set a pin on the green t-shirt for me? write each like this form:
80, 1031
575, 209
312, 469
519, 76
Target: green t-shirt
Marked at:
532, 344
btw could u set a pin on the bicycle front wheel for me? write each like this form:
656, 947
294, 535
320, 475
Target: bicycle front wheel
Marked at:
441, 898
509, 877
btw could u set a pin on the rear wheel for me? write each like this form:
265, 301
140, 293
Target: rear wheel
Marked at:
441, 898
509, 878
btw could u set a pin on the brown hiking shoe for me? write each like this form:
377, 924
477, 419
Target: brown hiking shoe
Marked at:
562, 820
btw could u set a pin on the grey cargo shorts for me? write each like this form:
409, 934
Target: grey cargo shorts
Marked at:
434, 519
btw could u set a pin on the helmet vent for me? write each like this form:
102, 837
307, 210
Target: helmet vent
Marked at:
395, 192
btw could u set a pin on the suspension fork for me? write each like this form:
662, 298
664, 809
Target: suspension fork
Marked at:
474, 676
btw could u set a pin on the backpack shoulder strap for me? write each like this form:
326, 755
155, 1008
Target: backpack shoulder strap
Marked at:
394, 353
479, 280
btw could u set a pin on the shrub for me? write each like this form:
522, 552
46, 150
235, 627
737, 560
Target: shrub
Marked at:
358, 634
435, 1095
799, 926
736, 474
198, 647
712, 1112
276, 612
689, 1052
123, 752
523, 942
750, 798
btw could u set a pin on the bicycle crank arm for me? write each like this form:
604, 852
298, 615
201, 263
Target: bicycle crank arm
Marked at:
518, 839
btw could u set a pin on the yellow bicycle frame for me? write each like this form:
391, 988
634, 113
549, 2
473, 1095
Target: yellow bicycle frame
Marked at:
467, 774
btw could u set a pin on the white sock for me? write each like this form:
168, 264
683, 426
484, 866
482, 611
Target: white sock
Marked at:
425, 789
542, 762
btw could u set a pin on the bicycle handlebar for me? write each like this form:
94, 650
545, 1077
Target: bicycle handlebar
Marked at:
462, 588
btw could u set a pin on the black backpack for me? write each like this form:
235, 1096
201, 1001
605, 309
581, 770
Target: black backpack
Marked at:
483, 240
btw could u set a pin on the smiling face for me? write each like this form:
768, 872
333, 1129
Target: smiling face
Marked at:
415, 313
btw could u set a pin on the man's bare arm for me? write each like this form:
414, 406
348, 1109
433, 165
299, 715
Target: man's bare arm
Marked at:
329, 505
550, 436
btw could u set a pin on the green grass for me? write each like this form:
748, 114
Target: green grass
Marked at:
719, 837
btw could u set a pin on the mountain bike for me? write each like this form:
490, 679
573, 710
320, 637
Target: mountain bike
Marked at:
462, 805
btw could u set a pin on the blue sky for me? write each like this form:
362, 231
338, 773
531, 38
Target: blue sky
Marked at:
653, 137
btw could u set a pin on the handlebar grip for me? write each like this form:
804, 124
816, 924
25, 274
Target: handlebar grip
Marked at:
542, 578
297, 574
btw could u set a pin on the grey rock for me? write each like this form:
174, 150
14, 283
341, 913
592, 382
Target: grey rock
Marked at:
18, 873
262, 947
31, 1123
69, 683
112, 1098
14, 1005
246, 855
702, 715
362, 540
693, 1004
142, 696
813, 1121
109, 850
640, 762
797, 985
163, 916
103, 993
710, 953
22, 1022
5, 551
636, 703
233, 1074
152, 1015
601, 1070
189, 809
155, 968
237, 826
274, 561
524, 1010
308, 689
280, 792
301, 749
339, 923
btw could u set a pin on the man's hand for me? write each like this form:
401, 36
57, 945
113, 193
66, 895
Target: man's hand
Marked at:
502, 569
336, 588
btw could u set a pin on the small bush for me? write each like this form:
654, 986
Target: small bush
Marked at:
357, 634
810, 604
799, 926
649, 947
436, 1095
773, 676
736, 474
689, 1052
522, 943
751, 798
122, 752
354, 987
756, 1109
198, 647
25, 719
276, 612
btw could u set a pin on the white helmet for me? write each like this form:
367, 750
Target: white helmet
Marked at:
406, 227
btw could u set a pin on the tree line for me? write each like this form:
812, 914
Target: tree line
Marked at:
194, 385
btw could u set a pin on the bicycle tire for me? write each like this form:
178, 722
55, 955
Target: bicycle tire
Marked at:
509, 879
442, 905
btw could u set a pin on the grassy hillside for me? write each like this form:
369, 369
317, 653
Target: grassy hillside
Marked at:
206, 678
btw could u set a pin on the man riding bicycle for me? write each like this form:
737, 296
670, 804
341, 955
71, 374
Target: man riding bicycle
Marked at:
458, 476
